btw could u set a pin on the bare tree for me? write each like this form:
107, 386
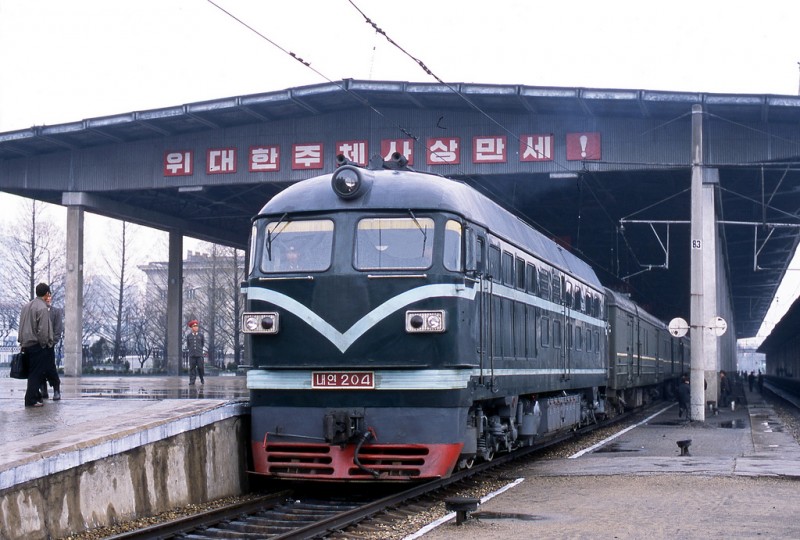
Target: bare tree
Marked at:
212, 295
120, 287
154, 310
34, 252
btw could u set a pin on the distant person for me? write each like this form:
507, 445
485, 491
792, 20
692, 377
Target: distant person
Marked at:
36, 340
684, 393
51, 370
195, 344
751, 379
724, 389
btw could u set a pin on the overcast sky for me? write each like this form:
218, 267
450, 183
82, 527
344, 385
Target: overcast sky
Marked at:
67, 61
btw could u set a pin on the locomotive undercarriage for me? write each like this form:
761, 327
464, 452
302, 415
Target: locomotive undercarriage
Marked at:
505, 424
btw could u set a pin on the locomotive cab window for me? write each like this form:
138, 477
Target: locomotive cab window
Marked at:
253, 244
394, 243
452, 245
297, 246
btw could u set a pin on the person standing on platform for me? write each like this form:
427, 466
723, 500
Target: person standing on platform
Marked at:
684, 393
51, 370
751, 379
195, 344
724, 390
36, 340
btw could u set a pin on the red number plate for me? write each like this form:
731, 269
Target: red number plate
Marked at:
342, 379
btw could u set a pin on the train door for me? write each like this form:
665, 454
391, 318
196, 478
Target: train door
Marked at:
566, 303
485, 334
630, 346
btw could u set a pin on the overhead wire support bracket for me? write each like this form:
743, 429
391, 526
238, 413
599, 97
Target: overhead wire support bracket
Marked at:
663, 243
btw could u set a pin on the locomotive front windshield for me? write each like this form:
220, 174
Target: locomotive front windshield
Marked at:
394, 244
297, 246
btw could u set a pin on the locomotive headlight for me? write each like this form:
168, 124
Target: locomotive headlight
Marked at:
425, 321
349, 182
260, 323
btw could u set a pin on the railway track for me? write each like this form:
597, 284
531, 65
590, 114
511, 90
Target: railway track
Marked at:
351, 512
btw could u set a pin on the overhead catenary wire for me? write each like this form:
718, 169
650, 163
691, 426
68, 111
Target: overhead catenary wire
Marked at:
496, 195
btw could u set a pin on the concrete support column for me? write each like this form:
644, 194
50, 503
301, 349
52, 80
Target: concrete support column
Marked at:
703, 274
73, 294
175, 303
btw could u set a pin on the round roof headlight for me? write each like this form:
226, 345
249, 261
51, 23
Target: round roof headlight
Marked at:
347, 182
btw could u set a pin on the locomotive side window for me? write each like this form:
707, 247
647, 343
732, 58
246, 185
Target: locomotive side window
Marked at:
479, 255
297, 246
452, 245
394, 243
494, 263
507, 267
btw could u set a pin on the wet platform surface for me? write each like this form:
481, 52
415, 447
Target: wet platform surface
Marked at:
739, 480
99, 416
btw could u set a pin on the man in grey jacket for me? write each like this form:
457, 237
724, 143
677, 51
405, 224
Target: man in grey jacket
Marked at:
51, 370
36, 339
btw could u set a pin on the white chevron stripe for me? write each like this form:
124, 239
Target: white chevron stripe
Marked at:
344, 341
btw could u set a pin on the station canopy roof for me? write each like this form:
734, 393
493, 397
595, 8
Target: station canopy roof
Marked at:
585, 213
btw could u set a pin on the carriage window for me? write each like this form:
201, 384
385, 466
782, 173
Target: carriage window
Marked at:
544, 284
297, 246
545, 332
556, 288
452, 245
579, 338
587, 306
531, 280
578, 298
494, 263
508, 268
394, 243
520, 274
557, 336
568, 294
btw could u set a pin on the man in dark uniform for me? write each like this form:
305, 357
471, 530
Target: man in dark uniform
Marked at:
684, 394
195, 344
36, 339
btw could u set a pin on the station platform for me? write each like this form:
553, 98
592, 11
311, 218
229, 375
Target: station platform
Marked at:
84, 457
738, 480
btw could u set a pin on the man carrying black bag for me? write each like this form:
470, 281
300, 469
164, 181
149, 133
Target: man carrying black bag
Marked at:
36, 339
